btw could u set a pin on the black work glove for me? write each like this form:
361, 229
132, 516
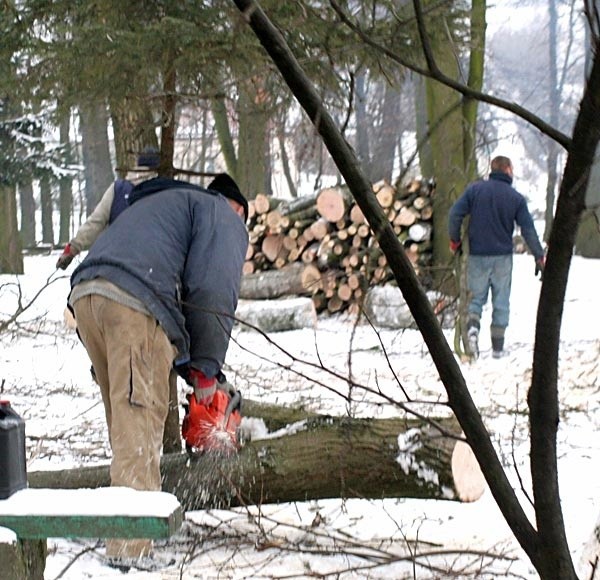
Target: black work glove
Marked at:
66, 257
539, 267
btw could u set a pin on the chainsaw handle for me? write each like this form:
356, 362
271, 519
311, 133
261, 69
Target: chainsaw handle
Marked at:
235, 402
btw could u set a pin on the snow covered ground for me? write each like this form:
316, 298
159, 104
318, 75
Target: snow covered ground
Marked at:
44, 372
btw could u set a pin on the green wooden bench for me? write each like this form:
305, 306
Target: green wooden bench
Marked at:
109, 512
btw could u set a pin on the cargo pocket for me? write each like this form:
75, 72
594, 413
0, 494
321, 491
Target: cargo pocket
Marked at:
140, 376
151, 362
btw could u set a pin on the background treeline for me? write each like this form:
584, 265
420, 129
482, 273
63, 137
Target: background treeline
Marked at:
84, 87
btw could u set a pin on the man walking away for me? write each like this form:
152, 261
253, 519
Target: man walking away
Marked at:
493, 207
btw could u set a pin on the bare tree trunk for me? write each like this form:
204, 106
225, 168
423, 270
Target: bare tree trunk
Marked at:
133, 126
253, 118
554, 95
390, 128
363, 149
65, 185
446, 136
285, 160
168, 123
172, 433
475, 81
423, 143
458, 394
97, 167
543, 394
47, 210
11, 258
27, 214
219, 112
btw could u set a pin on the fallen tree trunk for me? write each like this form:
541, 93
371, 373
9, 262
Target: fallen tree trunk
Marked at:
293, 280
277, 315
320, 457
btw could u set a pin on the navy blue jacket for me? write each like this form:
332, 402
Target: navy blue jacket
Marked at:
122, 189
494, 207
180, 251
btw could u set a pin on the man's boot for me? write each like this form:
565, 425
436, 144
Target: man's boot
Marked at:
497, 341
473, 335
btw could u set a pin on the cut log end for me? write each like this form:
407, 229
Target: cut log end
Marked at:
469, 482
331, 204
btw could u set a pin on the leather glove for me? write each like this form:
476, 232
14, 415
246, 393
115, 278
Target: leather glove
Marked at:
66, 257
540, 263
456, 247
204, 388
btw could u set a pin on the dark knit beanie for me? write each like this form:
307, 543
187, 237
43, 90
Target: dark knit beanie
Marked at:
227, 187
149, 157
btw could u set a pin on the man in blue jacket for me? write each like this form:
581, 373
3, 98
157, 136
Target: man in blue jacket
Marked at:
159, 286
110, 206
493, 207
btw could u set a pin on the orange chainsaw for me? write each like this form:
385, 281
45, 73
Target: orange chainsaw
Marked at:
212, 427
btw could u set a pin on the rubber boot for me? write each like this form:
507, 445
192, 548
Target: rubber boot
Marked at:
473, 335
497, 333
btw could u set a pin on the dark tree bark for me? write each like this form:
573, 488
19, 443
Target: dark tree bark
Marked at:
47, 210
543, 394
28, 221
172, 433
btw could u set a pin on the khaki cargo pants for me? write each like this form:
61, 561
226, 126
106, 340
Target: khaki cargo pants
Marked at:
132, 358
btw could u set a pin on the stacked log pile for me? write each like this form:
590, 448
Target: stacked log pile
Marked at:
321, 245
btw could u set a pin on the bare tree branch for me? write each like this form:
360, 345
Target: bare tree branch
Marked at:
458, 394
435, 74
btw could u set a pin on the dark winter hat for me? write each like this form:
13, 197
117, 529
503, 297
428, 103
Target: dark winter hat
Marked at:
227, 187
149, 157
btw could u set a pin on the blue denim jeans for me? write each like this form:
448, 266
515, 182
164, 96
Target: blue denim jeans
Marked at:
495, 273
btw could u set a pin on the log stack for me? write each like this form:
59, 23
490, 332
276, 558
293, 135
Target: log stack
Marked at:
321, 245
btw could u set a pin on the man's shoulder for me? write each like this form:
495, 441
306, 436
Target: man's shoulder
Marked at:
476, 185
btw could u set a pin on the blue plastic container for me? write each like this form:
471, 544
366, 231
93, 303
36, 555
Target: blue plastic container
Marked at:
13, 468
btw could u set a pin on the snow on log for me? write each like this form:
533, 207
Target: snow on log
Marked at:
420, 232
317, 457
385, 306
277, 315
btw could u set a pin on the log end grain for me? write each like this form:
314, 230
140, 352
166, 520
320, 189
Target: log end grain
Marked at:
469, 482
331, 204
